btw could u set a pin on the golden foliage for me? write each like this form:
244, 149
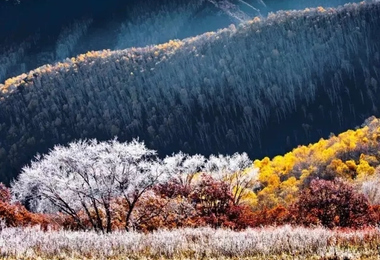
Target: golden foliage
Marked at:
351, 155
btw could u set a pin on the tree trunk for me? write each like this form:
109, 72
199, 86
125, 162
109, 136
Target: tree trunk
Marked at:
89, 216
99, 219
129, 213
108, 215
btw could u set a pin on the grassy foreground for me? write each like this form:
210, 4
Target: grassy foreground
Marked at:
284, 242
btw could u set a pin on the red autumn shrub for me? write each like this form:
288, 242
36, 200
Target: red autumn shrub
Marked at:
212, 204
16, 215
5, 194
332, 204
215, 207
154, 212
242, 217
272, 217
376, 210
173, 189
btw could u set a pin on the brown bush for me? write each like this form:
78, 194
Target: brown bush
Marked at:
272, 217
332, 204
5, 194
16, 215
215, 207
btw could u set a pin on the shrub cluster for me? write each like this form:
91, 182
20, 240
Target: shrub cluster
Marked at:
209, 202
16, 215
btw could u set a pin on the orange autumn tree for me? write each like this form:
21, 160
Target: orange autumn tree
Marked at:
5, 194
276, 216
16, 215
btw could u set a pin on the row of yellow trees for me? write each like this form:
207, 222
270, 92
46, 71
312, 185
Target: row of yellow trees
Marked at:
352, 155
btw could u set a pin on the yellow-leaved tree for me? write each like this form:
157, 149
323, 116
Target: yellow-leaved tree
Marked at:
352, 155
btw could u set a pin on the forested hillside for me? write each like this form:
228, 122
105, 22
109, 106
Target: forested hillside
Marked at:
261, 88
30, 41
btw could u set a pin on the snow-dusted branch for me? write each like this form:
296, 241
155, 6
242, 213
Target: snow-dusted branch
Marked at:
87, 175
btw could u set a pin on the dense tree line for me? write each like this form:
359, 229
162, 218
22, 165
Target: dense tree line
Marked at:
218, 92
107, 186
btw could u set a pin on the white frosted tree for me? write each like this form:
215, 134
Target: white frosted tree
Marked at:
85, 176
235, 170
371, 188
183, 167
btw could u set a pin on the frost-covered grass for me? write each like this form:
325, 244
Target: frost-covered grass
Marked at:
204, 243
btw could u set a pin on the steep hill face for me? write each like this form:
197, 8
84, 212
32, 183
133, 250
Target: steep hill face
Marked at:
262, 88
48, 31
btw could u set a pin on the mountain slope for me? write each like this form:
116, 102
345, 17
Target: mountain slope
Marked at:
44, 25
93, 25
260, 88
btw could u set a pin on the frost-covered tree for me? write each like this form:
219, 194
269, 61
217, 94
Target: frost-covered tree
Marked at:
85, 176
235, 171
184, 167
371, 188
